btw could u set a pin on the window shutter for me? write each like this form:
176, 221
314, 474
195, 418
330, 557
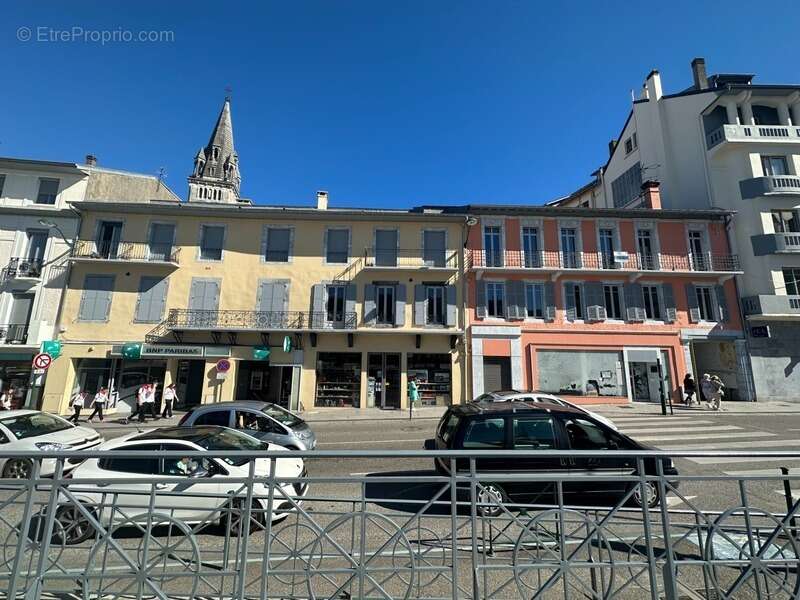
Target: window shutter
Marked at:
452, 306
87, 302
349, 300
670, 311
691, 297
370, 310
102, 303
549, 301
634, 308
265, 293
420, 312
317, 319
480, 299
400, 305
595, 306
152, 299
722, 303
569, 301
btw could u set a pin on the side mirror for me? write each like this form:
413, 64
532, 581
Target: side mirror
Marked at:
430, 444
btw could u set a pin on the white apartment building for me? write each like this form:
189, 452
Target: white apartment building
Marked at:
726, 142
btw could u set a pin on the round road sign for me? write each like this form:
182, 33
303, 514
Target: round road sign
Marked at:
223, 365
42, 361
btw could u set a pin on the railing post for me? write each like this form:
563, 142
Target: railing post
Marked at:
454, 528
50, 516
24, 529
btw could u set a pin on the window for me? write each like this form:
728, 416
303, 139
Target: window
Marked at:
96, 298
160, 243
493, 245
791, 280
530, 247
607, 248
700, 261
337, 249
436, 305
785, 221
449, 426
652, 307
628, 186
581, 373
631, 144
705, 302
585, 435
486, 434
613, 304
645, 245
214, 417
140, 465
569, 248
48, 190
495, 299
278, 244
152, 300
573, 296
386, 247
334, 307
434, 248
211, 242
384, 300
534, 434
534, 300
37, 243
774, 165
2, 184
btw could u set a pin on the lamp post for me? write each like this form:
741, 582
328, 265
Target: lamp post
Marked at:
51, 225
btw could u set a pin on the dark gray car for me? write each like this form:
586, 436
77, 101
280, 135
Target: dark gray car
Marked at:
263, 420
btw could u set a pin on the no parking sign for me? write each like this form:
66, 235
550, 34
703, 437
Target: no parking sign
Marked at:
42, 361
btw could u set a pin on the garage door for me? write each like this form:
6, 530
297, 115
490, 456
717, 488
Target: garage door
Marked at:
496, 373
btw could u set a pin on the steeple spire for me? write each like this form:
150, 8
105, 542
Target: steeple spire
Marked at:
215, 177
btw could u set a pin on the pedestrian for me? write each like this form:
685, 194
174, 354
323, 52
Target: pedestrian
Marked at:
689, 388
149, 401
169, 396
100, 400
413, 392
706, 388
139, 410
77, 405
6, 398
717, 394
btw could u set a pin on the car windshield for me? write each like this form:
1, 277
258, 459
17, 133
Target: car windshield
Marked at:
282, 416
230, 439
34, 424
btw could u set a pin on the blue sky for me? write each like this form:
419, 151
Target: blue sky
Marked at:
381, 103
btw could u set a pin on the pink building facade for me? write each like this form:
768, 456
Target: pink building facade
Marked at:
602, 305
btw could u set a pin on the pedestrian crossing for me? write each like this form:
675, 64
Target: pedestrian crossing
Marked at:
700, 432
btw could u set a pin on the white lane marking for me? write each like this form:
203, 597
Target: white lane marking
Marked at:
760, 472
757, 445
656, 420
674, 500
349, 443
710, 460
687, 429
703, 436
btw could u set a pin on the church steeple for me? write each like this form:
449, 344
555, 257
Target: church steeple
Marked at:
216, 177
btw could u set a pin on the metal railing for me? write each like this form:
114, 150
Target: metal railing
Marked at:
14, 333
407, 534
126, 251
417, 258
22, 268
596, 261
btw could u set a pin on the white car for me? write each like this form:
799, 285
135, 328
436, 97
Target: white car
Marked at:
190, 490
32, 431
512, 395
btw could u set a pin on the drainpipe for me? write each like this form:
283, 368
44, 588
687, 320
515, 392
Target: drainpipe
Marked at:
469, 222
59, 310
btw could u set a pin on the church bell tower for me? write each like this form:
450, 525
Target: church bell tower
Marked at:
216, 177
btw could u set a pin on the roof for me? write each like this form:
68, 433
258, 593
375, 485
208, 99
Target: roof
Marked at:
475, 408
577, 212
257, 404
42, 165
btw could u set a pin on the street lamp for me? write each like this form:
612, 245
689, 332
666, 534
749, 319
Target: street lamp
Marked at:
51, 225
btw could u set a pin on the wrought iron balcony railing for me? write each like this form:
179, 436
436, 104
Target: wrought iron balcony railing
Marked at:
23, 268
125, 251
415, 258
14, 333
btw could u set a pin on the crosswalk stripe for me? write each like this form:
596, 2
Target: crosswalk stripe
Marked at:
703, 436
661, 423
687, 429
711, 460
759, 445
654, 419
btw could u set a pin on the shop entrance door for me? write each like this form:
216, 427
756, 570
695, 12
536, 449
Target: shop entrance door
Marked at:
383, 371
191, 379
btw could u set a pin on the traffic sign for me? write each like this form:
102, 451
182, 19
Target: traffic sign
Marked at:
51, 347
42, 361
287, 344
223, 365
260, 352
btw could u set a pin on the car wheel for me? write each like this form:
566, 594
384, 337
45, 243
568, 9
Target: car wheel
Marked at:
18, 468
75, 524
652, 495
491, 498
234, 512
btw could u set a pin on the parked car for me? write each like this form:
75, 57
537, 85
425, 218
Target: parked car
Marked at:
538, 426
188, 489
264, 420
515, 396
31, 431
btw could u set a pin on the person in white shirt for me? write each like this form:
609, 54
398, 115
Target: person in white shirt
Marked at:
169, 397
149, 401
100, 400
6, 398
77, 405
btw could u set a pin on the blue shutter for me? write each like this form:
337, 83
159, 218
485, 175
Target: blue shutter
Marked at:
694, 308
452, 306
152, 299
480, 300
96, 298
370, 310
400, 305
722, 303
569, 301
549, 301
670, 310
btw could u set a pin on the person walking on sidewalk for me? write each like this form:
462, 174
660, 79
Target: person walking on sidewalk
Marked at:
6, 398
77, 405
100, 401
413, 392
689, 388
169, 396
717, 394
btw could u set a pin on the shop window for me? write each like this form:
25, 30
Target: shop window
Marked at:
338, 379
485, 434
580, 373
434, 377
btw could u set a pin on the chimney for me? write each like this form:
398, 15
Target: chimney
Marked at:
651, 193
699, 73
322, 200
612, 145
653, 84
91, 160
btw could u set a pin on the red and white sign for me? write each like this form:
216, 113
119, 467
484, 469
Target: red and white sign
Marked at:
223, 365
42, 361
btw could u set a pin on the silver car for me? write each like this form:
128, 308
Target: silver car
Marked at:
263, 420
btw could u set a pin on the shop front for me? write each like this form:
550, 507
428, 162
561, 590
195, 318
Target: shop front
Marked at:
259, 380
434, 373
338, 377
16, 372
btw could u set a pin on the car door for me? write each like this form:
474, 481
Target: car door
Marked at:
536, 433
582, 433
129, 481
261, 426
192, 490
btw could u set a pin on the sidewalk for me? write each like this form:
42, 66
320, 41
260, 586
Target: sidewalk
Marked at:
734, 408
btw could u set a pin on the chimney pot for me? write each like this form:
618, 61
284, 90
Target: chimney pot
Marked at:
322, 200
651, 191
699, 73
91, 160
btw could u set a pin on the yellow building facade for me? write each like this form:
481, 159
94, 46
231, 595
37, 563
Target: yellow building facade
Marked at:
305, 307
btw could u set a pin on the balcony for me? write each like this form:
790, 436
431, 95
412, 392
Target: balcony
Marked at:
14, 333
769, 186
125, 253
753, 133
416, 258
596, 262
771, 306
22, 269
776, 243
